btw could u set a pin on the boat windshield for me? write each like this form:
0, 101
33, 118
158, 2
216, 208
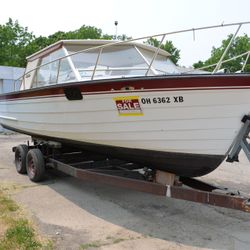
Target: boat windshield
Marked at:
84, 62
118, 61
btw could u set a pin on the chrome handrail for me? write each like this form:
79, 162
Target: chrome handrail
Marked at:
227, 60
226, 50
245, 63
97, 61
156, 54
132, 40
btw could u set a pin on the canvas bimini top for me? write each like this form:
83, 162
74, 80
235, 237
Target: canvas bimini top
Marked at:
84, 60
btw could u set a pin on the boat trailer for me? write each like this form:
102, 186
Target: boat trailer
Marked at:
122, 174
34, 159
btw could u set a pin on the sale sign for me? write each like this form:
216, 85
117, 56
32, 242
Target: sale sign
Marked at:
128, 105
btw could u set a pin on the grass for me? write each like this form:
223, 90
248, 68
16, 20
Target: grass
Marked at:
6, 204
110, 241
94, 244
18, 233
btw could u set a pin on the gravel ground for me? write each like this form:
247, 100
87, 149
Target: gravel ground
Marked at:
77, 214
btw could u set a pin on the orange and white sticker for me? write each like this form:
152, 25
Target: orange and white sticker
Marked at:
128, 105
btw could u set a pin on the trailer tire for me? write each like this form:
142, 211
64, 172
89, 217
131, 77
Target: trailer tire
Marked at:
20, 158
35, 165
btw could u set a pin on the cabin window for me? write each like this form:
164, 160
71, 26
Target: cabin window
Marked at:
121, 61
52, 71
65, 73
85, 63
162, 64
115, 61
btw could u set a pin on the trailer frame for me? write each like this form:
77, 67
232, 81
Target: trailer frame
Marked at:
119, 173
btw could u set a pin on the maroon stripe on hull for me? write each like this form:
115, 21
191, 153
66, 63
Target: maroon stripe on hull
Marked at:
186, 82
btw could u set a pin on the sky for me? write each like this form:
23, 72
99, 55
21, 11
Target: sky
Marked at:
135, 18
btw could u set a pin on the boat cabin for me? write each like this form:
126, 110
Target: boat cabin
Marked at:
85, 60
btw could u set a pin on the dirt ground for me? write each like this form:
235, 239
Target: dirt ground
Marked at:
77, 214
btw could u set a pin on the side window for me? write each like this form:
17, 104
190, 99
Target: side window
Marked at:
42, 75
85, 63
65, 73
122, 61
54, 72
162, 64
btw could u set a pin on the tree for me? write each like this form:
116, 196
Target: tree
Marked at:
16, 43
84, 32
240, 45
13, 42
123, 37
167, 46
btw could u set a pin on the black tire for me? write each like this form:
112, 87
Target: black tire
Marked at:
35, 165
20, 158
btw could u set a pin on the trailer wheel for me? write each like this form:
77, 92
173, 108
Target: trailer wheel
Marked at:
35, 165
20, 158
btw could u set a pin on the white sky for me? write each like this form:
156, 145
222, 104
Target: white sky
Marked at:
136, 18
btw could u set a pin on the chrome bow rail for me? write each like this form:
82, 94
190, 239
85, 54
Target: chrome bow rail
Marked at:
150, 63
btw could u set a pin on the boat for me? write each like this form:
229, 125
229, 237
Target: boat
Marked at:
128, 100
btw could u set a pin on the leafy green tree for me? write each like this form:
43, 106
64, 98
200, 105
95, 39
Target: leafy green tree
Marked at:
168, 46
37, 44
84, 32
16, 43
123, 37
107, 37
13, 42
240, 45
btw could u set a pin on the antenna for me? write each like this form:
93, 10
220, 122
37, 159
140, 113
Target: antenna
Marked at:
116, 23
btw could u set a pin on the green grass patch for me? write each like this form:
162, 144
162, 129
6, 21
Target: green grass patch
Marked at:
20, 236
6, 204
116, 241
18, 233
92, 245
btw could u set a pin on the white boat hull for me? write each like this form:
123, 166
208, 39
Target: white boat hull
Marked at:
205, 123
185, 123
